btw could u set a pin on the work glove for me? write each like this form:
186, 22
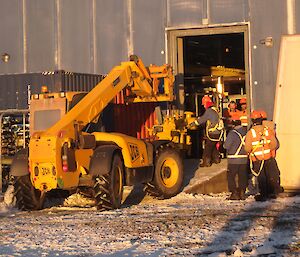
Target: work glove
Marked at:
193, 124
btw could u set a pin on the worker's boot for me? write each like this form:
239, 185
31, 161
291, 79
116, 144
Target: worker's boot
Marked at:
206, 163
272, 196
217, 160
242, 194
234, 196
260, 198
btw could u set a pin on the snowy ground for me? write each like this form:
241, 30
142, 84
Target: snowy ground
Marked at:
184, 225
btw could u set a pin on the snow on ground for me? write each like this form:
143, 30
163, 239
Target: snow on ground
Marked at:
189, 225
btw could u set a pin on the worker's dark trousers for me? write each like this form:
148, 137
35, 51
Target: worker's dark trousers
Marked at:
210, 153
239, 170
269, 177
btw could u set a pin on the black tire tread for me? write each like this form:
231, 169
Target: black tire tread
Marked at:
27, 197
101, 188
102, 193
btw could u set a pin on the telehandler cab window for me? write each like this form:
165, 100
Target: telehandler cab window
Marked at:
45, 119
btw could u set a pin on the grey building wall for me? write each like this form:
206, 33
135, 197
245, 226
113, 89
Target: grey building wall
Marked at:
111, 30
11, 31
297, 12
264, 59
187, 13
40, 31
149, 30
92, 36
227, 11
75, 35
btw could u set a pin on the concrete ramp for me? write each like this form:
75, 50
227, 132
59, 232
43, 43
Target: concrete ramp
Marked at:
205, 180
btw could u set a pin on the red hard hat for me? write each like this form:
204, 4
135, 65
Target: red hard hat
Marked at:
256, 114
243, 101
206, 99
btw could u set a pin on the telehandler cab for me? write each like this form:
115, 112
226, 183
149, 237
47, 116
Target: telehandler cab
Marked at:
64, 153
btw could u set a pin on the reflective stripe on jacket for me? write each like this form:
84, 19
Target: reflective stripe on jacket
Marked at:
234, 144
244, 118
238, 152
260, 140
271, 125
211, 118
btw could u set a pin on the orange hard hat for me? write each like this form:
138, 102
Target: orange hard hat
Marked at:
256, 114
206, 99
243, 101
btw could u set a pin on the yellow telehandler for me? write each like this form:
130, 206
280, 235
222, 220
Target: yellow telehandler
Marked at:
65, 153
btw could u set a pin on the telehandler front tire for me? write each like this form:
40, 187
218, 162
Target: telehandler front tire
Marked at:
27, 197
108, 188
168, 175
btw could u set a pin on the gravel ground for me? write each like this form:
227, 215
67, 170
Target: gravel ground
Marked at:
189, 225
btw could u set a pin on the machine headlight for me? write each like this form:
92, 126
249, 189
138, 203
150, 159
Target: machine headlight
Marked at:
36, 171
53, 171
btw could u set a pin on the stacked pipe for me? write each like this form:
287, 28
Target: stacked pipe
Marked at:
14, 135
7, 137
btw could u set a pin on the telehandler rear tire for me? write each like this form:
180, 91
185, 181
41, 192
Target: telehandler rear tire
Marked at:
27, 197
168, 175
108, 188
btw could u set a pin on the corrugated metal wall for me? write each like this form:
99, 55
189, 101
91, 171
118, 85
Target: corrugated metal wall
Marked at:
264, 59
297, 12
228, 11
111, 34
11, 31
148, 28
94, 35
40, 36
185, 13
76, 35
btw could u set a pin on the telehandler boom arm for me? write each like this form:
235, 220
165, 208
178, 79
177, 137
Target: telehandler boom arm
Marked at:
142, 85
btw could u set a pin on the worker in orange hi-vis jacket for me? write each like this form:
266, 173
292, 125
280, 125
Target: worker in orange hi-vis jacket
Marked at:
259, 143
244, 115
271, 125
231, 115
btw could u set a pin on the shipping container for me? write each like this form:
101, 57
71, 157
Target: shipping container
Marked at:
134, 119
15, 89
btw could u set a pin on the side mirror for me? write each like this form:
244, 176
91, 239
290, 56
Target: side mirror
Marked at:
87, 142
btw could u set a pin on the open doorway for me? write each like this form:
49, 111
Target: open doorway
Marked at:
202, 58
208, 57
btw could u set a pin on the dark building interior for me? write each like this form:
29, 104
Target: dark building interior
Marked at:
201, 54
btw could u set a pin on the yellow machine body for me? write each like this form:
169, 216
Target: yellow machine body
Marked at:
60, 141
174, 129
46, 162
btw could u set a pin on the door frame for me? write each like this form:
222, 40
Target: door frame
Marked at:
172, 48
